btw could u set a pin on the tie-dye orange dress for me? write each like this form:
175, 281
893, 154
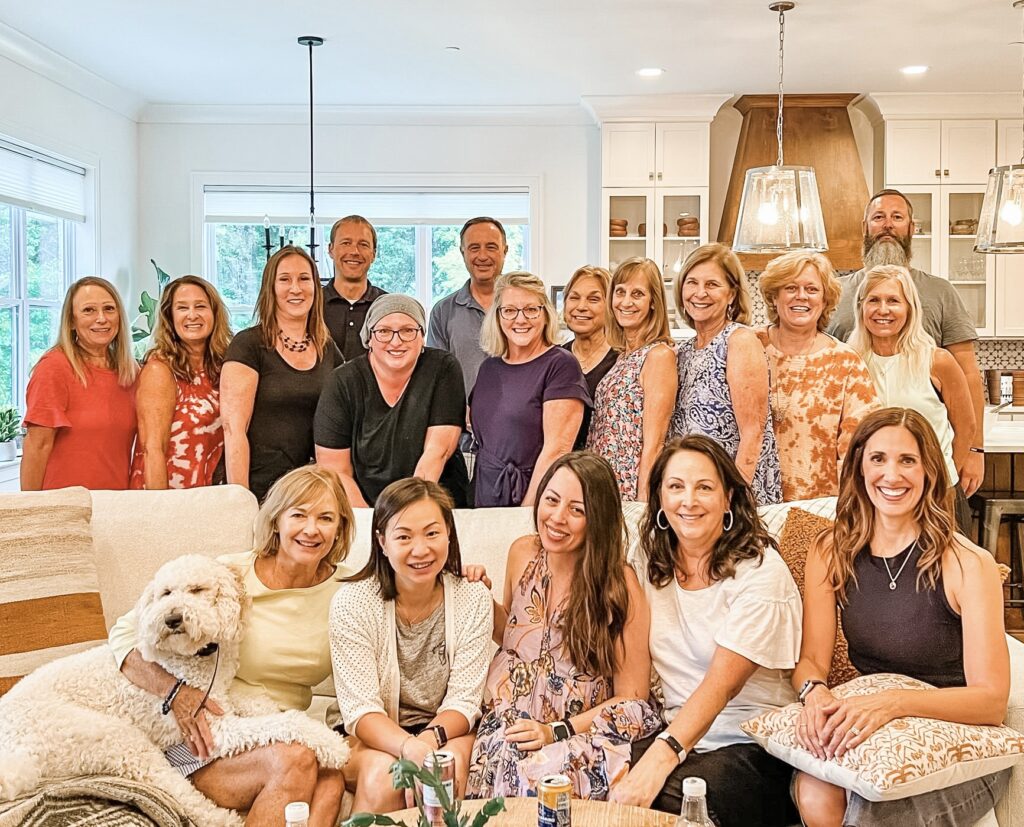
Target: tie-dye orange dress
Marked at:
530, 677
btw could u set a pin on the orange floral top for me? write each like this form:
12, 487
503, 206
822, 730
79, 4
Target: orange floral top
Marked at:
817, 402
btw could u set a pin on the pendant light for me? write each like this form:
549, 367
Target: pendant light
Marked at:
780, 209
311, 40
1001, 224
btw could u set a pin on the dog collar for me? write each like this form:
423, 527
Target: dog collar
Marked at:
208, 649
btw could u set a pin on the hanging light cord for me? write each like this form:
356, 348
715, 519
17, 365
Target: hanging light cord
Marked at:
1020, 4
778, 122
312, 210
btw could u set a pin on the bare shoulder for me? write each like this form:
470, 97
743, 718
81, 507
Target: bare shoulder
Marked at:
156, 371
968, 566
661, 356
943, 360
520, 553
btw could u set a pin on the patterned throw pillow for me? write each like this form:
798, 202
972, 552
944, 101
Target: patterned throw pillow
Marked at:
906, 757
795, 539
49, 595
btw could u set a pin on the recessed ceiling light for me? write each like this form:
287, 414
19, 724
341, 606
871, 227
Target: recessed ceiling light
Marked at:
914, 70
650, 72
453, 48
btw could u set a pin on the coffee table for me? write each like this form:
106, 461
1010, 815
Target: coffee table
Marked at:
523, 811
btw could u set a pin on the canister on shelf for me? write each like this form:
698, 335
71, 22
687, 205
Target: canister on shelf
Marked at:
993, 383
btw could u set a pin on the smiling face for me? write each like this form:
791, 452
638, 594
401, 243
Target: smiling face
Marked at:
306, 531
293, 288
94, 318
884, 310
521, 333
396, 355
561, 513
483, 251
707, 294
585, 306
888, 232
352, 251
801, 302
694, 499
893, 471
632, 303
192, 314
415, 541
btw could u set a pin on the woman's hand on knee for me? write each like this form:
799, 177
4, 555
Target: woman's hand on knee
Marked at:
190, 713
529, 735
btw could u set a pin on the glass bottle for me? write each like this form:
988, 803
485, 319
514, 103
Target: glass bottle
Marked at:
296, 814
695, 806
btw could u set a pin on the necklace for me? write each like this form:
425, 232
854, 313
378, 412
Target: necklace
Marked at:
408, 621
295, 345
892, 580
779, 410
587, 363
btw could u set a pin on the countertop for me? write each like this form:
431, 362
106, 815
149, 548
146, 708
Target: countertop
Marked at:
1004, 429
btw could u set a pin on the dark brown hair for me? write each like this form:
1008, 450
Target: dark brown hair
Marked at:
266, 302
355, 219
167, 344
746, 539
481, 219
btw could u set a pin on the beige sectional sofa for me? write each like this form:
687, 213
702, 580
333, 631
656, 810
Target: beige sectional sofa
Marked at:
134, 532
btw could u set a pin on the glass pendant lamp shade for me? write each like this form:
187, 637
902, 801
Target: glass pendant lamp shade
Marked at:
780, 211
1001, 224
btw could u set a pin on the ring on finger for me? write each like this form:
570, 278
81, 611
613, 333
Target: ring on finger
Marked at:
854, 731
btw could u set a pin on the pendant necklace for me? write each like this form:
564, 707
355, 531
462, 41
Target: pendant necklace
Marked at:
892, 580
295, 345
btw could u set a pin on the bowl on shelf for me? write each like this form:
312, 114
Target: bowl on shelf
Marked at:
964, 226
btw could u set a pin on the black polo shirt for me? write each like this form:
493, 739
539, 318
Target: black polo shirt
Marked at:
344, 319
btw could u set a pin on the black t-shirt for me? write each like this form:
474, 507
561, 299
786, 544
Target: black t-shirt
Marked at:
593, 379
281, 428
387, 442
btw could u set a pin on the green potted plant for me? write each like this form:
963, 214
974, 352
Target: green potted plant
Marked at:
404, 775
142, 326
10, 428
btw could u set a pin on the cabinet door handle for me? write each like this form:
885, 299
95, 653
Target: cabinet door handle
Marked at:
945, 172
938, 173
659, 176
650, 176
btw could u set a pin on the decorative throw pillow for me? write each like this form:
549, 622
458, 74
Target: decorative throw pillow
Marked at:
906, 757
49, 595
795, 540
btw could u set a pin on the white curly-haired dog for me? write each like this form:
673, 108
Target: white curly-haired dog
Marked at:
80, 716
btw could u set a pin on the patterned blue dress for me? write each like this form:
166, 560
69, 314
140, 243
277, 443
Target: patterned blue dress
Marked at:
704, 406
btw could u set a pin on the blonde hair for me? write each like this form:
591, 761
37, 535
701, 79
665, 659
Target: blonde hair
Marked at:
603, 277
119, 351
657, 328
302, 486
912, 339
728, 262
266, 302
785, 269
492, 337
167, 345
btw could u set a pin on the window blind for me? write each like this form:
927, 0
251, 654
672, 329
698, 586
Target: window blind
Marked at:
39, 182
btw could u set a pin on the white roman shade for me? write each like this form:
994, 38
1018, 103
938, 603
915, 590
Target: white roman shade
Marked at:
40, 182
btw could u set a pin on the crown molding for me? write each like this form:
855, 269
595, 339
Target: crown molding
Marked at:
367, 115
619, 108
47, 63
902, 106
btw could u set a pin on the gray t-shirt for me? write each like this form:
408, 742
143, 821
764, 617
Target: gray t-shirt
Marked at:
945, 317
423, 665
455, 324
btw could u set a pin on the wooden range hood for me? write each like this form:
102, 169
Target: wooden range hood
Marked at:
816, 133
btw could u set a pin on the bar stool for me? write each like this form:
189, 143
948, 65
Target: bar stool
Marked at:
992, 508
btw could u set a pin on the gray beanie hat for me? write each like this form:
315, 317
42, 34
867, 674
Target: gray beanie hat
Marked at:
386, 305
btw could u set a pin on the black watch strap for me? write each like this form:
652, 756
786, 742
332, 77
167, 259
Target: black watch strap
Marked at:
440, 735
673, 742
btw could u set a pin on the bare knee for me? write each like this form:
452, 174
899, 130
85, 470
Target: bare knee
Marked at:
373, 787
292, 760
330, 783
821, 804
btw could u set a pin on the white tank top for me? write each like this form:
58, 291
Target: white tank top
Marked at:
900, 387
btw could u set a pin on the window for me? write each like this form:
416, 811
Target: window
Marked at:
417, 236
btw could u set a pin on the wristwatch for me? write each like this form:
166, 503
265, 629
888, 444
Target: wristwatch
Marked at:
673, 744
807, 688
440, 735
560, 730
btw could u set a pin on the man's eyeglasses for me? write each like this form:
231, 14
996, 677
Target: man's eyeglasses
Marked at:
385, 335
531, 312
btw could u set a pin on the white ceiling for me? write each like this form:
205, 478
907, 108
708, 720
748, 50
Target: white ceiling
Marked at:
530, 52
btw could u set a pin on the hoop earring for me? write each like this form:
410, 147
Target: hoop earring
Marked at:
657, 520
728, 514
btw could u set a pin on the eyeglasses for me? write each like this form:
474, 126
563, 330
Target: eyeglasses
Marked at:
509, 313
385, 335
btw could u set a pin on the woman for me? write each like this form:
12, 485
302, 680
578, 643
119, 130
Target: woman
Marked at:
725, 630
410, 641
303, 531
910, 371
397, 413
80, 404
820, 387
940, 622
273, 373
723, 373
585, 313
567, 691
181, 441
527, 404
634, 400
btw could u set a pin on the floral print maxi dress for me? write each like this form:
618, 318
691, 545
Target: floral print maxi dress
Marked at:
530, 677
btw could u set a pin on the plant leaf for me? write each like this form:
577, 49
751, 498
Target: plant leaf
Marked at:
490, 809
162, 278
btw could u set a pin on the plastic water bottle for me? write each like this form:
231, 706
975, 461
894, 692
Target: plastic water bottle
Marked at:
296, 814
695, 804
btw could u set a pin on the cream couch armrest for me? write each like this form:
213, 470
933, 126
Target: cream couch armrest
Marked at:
1009, 809
135, 532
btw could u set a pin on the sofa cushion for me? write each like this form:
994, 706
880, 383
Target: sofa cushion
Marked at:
905, 757
49, 591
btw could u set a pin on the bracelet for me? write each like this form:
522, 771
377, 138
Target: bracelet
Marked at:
166, 706
568, 723
974, 450
807, 688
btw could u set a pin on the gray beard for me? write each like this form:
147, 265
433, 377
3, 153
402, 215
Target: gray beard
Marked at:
886, 250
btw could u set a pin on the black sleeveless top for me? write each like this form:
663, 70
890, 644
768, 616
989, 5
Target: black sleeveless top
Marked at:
902, 630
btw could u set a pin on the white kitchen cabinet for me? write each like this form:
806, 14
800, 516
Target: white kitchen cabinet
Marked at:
635, 206
971, 273
939, 151
664, 154
968, 151
1009, 294
627, 155
1009, 135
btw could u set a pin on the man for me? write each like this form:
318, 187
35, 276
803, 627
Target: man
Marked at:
348, 296
455, 320
888, 233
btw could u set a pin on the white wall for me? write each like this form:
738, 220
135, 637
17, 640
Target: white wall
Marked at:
566, 157
45, 114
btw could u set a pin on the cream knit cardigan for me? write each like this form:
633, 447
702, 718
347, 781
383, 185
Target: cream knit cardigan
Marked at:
364, 649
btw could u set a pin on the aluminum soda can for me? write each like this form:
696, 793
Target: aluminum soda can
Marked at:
443, 764
553, 796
